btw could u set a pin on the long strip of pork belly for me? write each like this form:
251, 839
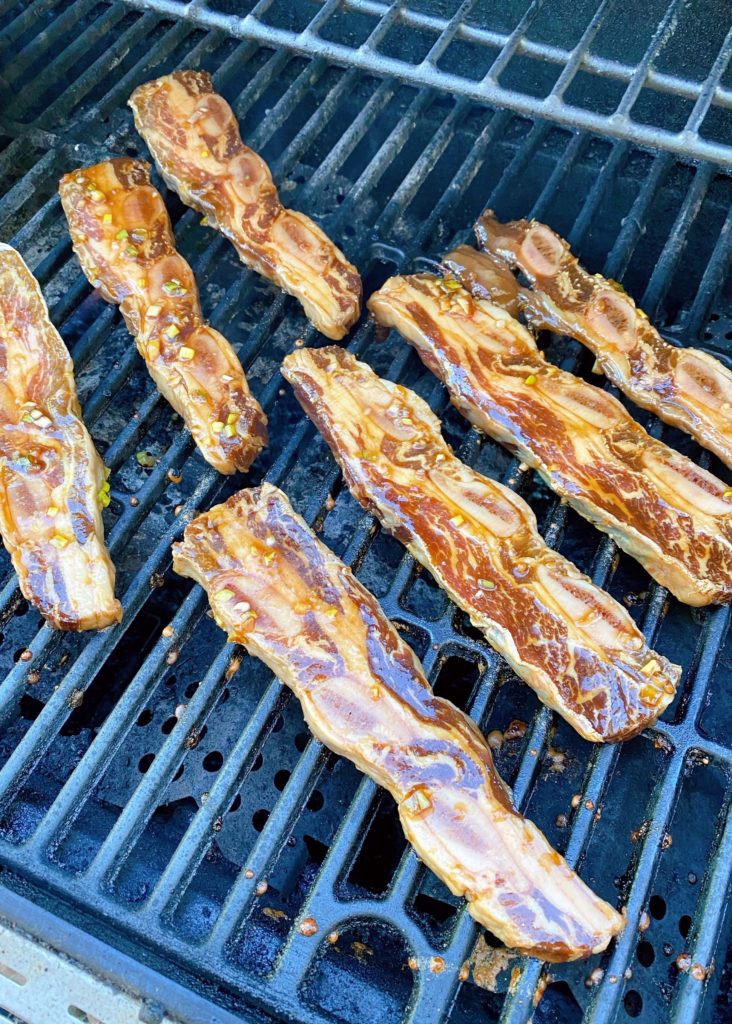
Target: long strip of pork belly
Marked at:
124, 240
194, 137
569, 640
672, 516
279, 591
53, 483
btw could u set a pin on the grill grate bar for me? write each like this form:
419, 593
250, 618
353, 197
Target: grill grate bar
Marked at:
75, 51
22, 60
711, 282
708, 922
640, 75
709, 87
576, 58
673, 249
427, 74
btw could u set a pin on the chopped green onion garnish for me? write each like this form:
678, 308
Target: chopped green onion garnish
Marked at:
58, 541
186, 353
145, 458
121, 235
486, 584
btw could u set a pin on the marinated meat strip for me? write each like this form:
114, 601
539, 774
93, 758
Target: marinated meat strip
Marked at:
571, 642
194, 137
682, 386
52, 481
274, 587
123, 238
674, 517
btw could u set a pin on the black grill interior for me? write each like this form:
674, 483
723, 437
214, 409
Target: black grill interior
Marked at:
159, 787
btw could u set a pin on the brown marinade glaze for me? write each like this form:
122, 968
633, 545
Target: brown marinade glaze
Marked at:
570, 641
52, 481
194, 138
485, 277
674, 517
276, 589
123, 238
682, 386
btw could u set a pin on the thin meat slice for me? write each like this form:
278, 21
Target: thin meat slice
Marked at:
674, 517
570, 641
52, 481
123, 238
683, 386
194, 138
274, 587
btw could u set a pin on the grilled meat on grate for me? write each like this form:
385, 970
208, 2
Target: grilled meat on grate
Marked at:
683, 386
674, 517
123, 238
52, 481
570, 641
274, 587
194, 137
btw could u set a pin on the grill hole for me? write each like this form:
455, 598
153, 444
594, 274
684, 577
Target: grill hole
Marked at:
145, 717
646, 954
633, 1003
76, 1013
11, 975
145, 761
278, 723
258, 762
657, 907
178, 774
259, 819
235, 803
301, 741
212, 761
30, 708
316, 800
190, 690
316, 849
280, 779
684, 925
168, 725
456, 680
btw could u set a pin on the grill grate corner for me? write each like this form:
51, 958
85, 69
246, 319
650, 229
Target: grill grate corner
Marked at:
163, 786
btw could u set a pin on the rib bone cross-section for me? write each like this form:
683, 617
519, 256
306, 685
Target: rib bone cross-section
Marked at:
570, 641
194, 137
123, 238
274, 587
661, 508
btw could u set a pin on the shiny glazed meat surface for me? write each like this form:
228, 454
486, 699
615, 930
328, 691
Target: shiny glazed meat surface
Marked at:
52, 481
194, 137
570, 641
674, 517
276, 589
683, 386
123, 238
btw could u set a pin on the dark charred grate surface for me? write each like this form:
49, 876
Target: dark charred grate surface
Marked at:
160, 788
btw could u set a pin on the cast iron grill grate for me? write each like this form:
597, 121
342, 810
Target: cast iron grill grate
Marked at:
152, 779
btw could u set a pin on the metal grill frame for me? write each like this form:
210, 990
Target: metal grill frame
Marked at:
433, 995
620, 124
